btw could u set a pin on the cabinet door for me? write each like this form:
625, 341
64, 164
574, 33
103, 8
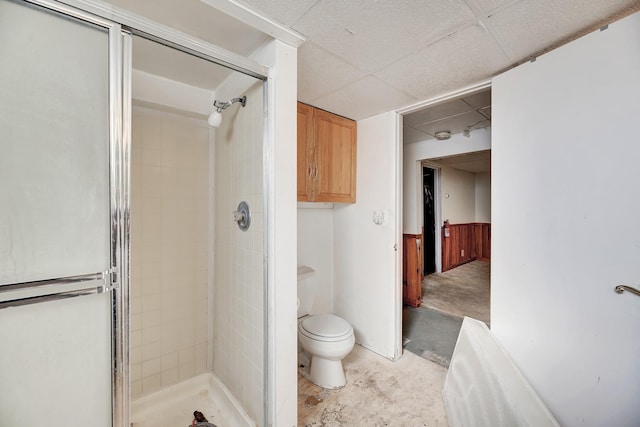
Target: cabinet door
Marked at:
335, 145
305, 152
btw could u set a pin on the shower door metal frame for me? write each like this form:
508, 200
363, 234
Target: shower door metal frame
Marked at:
168, 36
122, 25
116, 278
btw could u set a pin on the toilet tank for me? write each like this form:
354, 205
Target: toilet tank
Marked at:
306, 289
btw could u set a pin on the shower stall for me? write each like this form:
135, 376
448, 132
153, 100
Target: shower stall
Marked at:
133, 276
197, 275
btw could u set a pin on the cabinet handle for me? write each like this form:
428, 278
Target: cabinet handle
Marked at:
316, 174
311, 171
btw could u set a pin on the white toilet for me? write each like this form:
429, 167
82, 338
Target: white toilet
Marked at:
325, 337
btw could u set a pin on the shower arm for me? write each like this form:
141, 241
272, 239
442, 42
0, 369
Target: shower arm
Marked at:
224, 105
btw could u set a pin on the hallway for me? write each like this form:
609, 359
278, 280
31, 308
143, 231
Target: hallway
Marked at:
431, 330
463, 291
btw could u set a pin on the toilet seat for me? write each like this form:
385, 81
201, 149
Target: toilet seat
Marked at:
326, 327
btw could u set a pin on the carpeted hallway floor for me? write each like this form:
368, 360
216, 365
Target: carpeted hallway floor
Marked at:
463, 291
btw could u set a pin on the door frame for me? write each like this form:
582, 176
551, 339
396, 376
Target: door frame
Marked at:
396, 304
437, 200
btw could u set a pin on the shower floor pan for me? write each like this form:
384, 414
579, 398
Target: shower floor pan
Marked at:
174, 405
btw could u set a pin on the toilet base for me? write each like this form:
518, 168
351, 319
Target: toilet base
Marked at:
327, 373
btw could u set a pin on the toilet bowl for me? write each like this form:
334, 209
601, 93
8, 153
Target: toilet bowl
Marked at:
327, 339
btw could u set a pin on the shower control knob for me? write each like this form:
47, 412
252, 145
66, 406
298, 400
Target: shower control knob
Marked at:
242, 216
238, 216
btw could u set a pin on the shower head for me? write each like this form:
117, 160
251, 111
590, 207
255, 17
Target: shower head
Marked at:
215, 118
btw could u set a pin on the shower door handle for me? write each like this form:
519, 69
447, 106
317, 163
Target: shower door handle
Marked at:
54, 289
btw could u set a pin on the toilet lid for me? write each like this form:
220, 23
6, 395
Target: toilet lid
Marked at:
326, 326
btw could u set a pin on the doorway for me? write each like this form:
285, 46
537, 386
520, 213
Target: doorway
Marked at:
429, 220
462, 286
447, 162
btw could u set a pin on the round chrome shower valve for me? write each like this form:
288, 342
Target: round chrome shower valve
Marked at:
242, 216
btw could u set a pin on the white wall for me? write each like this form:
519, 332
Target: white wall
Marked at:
169, 249
565, 213
483, 196
458, 196
315, 249
281, 171
413, 154
365, 277
238, 350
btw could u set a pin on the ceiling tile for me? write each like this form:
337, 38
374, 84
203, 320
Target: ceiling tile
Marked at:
436, 112
454, 115
320, 72
439, 45
455, 124
479, 100
466, 57
411, 135
488, 6
284, 11
371, 38
528, 27
364, 98
486, 111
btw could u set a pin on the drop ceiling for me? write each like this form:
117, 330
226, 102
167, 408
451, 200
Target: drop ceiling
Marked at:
364, 58
456, 116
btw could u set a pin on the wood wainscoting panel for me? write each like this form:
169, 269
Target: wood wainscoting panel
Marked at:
466, 242
412, 269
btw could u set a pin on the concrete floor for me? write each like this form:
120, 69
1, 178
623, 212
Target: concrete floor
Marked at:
407, 392
431, 330
430, 334
379, 392
463, 291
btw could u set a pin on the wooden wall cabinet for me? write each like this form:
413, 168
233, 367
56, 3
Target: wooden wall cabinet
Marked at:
326, 156
412, 258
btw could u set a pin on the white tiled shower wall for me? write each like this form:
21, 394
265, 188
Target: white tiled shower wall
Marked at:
238, 294
169, 249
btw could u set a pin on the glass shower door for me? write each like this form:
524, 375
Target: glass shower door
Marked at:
59, 223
